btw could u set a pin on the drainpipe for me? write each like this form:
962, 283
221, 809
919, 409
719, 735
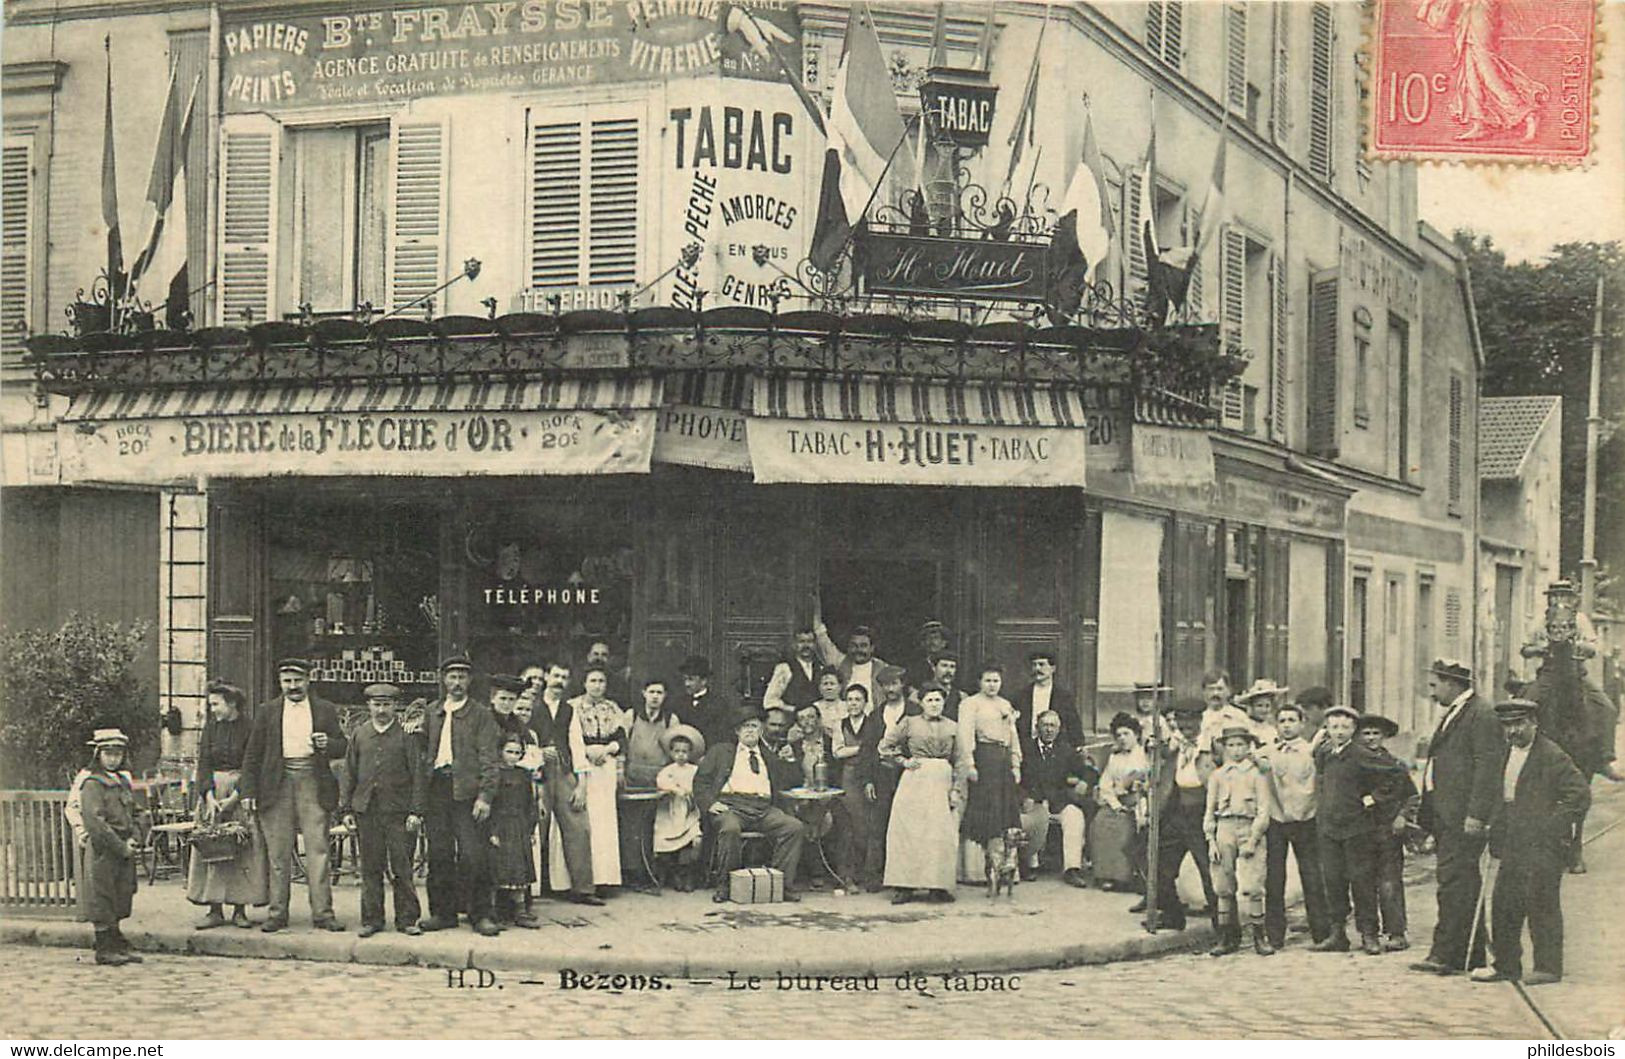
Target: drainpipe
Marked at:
1473, 532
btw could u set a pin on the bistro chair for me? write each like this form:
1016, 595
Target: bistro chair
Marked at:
165, 846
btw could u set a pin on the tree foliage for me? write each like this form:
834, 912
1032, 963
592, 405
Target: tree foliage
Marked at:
1536, 320
58, 686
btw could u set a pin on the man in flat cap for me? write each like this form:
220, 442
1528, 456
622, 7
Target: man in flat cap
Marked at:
1542, 797
384, 791
1460, 787
288, 780
463, 754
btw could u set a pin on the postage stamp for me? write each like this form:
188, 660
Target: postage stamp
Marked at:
1492, 80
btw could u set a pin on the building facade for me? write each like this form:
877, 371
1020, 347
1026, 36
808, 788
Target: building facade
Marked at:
503, 341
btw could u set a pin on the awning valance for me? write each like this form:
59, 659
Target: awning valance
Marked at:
895, 399
554, 394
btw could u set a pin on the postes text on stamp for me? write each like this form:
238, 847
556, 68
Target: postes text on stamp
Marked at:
1496, 80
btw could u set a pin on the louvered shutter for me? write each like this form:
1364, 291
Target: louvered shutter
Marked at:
1194, 295
250, 149
1279, 350
555, 203
1153, 27
1457, 410
612, 202
1324, 425
1232, 318
16, 182
1173, 33
1280, 88
1320, 91
417, 248
1134, 281
1235, 64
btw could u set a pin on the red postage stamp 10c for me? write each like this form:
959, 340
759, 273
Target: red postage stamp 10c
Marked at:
1498, 80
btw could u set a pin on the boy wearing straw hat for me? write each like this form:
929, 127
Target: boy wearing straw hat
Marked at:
109, 812
1236, 822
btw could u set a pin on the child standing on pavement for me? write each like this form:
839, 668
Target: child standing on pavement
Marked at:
1396, 806
513, 829
382, 800
109, 809
1236, 822
1350, 779
676, 836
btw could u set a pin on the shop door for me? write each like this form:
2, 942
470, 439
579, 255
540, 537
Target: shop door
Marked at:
891, 595
1238, 615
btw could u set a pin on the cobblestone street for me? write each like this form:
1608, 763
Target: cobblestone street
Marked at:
1314, 996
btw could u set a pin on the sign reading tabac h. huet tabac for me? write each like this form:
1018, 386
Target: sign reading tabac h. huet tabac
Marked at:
415, 52
892, 263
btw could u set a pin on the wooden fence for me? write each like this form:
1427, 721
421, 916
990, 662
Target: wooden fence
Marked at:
40, 865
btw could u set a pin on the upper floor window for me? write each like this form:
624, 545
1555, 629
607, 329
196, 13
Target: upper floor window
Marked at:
1362, 368
337, 205
1165, 30
1322, 78
584, 174
16, 230
1240, 96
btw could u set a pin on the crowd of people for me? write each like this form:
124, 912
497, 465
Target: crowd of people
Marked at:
554, 786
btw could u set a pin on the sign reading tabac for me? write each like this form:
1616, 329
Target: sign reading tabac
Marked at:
405, 443
965, 268
809, 450
414, 52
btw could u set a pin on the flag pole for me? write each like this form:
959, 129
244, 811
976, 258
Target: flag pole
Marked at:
115, 249
853, 227
1153, 827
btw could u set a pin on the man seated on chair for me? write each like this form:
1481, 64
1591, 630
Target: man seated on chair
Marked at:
1057, 781
734, 792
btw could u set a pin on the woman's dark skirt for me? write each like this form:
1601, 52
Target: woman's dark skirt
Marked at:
993, 804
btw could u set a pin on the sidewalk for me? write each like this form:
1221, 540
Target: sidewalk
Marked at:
1046, 924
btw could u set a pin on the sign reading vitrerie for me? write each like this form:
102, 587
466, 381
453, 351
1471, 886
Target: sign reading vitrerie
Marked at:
914, 264
154, 450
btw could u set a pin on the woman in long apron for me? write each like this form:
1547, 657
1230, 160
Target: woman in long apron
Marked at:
1121, 794
922, 843
987, 724
603, 734
244, 879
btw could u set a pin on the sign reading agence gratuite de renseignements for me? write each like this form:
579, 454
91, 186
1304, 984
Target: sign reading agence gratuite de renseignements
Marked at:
414, 52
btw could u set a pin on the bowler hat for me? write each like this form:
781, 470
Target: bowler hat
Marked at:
1452, 669
108, 737
456, 662
1236, 731
1516, 709
504, 682
1515, 684
1342, 711
687, 731
745, 714
695, 666
1387, 725
1188, 706
293, 665
382, 691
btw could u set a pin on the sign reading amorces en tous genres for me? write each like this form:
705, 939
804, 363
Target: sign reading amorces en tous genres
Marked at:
967, 268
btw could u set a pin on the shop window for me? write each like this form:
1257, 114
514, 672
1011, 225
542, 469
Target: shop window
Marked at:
1399, 352
355, 588
584, 174
1362, 368
1130, 647
16, 230
1307, 614
336, 200
1359, 599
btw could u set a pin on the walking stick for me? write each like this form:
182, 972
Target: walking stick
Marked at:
1486, 880
1153, 827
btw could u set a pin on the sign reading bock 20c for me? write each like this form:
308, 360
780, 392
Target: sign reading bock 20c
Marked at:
412, 52
966, 268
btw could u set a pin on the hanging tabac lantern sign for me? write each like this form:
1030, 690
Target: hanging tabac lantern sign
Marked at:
959, 104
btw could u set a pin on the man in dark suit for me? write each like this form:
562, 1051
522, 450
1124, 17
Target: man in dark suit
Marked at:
701, 705
385, 786
1056, 781
1543, 798
463, 752
288, 780
734, 791
1041, 694
1459, 790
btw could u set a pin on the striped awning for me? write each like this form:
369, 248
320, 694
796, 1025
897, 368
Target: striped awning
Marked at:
730, 388
885, 398
559, 394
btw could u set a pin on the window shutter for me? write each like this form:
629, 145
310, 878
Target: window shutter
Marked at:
1322, 417
1320, 91
16, 183
1164, 30
1235, 66
248, 182
1232, 318
418, 223
1280, 89
1134, 281
556, 196
613, 202
1194, 310
1279, 350
1457, 400
1153, 27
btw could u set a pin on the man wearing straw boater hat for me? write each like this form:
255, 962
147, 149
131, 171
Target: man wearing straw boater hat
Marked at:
1460, 787
109, 812
288, 780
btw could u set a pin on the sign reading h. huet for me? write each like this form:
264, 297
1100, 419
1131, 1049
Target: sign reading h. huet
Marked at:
413, 52
968, 268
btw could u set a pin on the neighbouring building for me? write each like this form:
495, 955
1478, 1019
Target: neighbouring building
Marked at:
503, 340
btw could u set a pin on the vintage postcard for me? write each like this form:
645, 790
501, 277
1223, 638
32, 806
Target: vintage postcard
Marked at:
769, 520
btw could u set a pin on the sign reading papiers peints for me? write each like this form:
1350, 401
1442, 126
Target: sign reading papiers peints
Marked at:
414, 52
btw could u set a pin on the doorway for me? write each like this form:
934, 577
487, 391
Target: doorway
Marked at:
892, 595
1238, 629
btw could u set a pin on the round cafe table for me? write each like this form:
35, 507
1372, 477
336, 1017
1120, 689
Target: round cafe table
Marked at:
645, 837
813, 796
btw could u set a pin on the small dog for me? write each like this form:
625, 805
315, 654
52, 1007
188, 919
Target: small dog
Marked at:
1004, 862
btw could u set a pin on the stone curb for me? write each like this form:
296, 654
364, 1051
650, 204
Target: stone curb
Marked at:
460, 950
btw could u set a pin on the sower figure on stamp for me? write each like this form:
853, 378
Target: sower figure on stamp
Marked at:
384, 791
1459, 790
1543, 797
734, 790
463, 755
288, 780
